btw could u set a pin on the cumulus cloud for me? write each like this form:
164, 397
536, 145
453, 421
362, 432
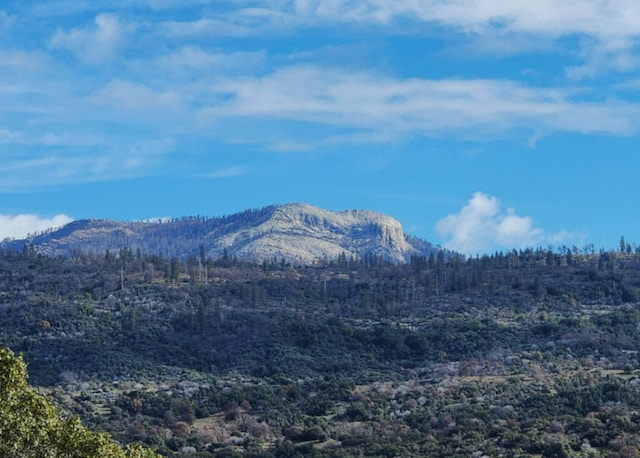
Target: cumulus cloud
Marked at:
482, 226
19, 226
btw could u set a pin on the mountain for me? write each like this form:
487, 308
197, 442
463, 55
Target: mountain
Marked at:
298, 233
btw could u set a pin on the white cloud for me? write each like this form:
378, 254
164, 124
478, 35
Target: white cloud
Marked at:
22, 61
8, 137
482, 226
47, 139
599, 57
103, 164
194, 58
207, 27
19, 226
96, 44
128, 96
6, 21
169, 4
285, 146
497, 26
58, 103
229, 172
591, 17
372, 103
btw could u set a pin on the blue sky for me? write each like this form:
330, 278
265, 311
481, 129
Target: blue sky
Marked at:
480, 125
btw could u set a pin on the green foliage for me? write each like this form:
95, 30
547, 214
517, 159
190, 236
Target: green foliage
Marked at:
515, 354
31, 426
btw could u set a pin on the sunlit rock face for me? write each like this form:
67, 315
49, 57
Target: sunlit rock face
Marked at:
306, 234
296, 233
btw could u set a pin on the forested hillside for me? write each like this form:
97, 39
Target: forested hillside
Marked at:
522, 353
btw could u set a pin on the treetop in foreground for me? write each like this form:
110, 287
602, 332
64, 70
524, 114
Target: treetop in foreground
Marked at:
31, 426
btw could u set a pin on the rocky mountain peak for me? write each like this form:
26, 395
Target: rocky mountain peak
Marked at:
303, 233
298, 233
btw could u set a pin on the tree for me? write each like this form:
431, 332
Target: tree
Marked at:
32, 427
539, 289
441, 274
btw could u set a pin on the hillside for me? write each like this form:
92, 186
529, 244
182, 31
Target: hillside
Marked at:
295, 233
530, 353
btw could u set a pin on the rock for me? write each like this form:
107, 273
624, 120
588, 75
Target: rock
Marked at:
297, 233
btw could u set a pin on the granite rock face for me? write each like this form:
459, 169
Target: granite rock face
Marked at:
298, 233
305, 234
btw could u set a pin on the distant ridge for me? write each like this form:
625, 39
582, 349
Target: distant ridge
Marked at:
298, 233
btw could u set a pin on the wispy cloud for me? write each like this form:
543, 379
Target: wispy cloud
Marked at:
372, 102
55, 166
130, 96
469, 16
8, 136
229, 172
95, 44
191, 80
23, 61
6, 21
19, 226
288, 146
196, 59
206, 27
335, 106
483, 226
501, 28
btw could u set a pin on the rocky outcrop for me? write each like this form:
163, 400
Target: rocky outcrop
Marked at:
298, 233
304, 233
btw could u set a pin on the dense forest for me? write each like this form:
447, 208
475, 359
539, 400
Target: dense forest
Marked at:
523, 353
